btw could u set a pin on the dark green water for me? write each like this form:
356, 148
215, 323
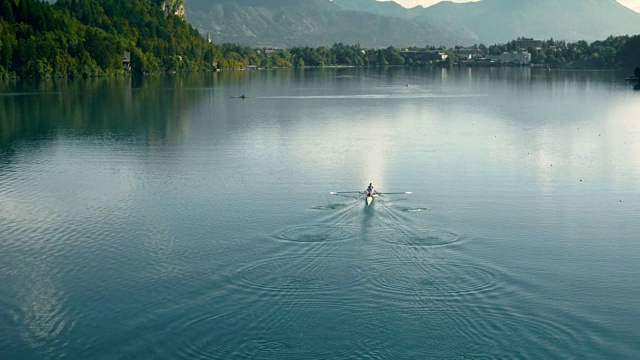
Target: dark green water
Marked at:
160, 218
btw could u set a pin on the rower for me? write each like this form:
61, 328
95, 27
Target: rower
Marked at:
370, 190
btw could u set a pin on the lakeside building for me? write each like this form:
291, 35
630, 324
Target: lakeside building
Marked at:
515, 58
126, 60
474, 57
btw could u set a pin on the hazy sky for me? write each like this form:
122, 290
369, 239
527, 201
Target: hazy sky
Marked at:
425, 3
633, 4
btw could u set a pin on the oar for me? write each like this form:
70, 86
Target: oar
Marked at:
345, 192
394, 193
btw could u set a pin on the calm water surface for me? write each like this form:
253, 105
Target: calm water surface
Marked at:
161, 218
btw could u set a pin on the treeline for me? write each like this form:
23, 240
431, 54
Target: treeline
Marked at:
615, 51
79, 38
346, 55
237, 56
619, 51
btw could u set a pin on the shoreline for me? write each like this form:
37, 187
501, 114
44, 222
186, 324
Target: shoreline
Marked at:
129, 74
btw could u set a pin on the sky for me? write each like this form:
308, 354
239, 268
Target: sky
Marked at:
632, 4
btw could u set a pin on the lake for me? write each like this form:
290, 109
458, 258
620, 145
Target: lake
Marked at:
163, 218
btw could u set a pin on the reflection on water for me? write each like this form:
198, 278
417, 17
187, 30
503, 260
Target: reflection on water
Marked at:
162, 216
371, 97
154, 107
43, 315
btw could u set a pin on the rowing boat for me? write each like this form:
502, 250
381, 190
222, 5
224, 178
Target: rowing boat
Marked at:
369, 199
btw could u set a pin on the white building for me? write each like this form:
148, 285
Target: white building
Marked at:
516, 58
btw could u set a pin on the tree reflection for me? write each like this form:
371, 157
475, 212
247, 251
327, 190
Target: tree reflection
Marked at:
152, 107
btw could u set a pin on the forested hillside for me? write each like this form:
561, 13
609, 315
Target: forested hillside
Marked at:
89, 37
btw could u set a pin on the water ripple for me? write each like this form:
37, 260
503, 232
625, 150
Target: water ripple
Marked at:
262, 347
321, 275
43, 314
330, 206
543, 336
438, 280
216, 336
403, 236
415, 209
251, 348
295, 330
374, 96
316, 233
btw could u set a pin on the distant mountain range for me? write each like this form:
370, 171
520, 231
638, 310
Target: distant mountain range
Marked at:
502, 20
284, 23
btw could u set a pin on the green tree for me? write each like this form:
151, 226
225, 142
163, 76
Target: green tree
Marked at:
381, 59
6, 12
451, 59
629, 53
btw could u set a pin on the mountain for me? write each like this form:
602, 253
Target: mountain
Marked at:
386, 8
284, 23
502, 20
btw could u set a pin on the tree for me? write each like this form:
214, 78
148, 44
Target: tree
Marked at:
451, 59
629, 53
6, 12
